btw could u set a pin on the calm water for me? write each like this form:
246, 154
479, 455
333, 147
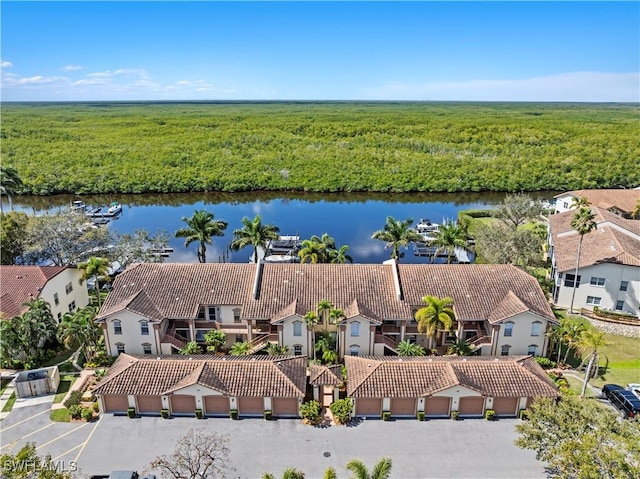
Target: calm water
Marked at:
349, 218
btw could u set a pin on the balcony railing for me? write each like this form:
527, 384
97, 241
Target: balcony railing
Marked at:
387, 341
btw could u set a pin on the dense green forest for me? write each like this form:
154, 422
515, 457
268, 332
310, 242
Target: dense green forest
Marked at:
84, 148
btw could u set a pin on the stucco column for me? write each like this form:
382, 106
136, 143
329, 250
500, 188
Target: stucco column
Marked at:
460, 330
192, 329
403, 329
156, 335
341, 332
249, 330
105, 333
494, 338
372, 338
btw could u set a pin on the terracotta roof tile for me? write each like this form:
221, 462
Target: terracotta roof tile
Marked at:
624, 200
20, 284
325, 375
510, 306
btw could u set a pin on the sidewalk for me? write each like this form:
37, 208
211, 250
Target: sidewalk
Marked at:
76, 386
6, 394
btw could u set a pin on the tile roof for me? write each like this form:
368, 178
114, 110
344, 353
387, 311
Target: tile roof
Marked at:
246, 376
325, 375
615, 240
387, 376
20, 284
624, 200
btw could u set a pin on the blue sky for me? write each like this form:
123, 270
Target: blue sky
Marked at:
494, 51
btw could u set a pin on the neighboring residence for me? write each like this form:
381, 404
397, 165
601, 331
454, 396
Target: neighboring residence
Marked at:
216, 385
60, 286
619, 202
439, 386
155, 309
609, 270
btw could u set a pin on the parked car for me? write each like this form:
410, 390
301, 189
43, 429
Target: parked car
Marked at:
626, 402
607, 389
634, 388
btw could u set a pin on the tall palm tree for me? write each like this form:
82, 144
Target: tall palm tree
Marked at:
201, 227
405, 348
437, 315
323, 309
340, 255
447, 238
591, 341
254, 233
311, 319
571, 333
580, 202
10, 183
311, 251
77, 329
96, 268
382, 469
397, 233
583, 222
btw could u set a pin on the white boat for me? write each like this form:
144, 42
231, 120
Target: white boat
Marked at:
284, 245
426, 226
78, 206
281, 258
115, 208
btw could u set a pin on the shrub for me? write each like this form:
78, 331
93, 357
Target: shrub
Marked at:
87, 414
96, 407
199, 413
341, 410
75, 411
546, 363
523, 414
386, 415
73, 400
131, 412
455, 415
420, 415
233, 414
489, 414
267, 415
164, 413
310, 411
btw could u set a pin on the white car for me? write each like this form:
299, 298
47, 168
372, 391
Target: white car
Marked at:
635, 389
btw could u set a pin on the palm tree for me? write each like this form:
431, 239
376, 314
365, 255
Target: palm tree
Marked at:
201, 227
382, 469
447, 238
636, 210
405, 348
311, 319
275, 349
323, 308
437, 315
326, 345
572, 330
77, 329
191, 348
288, 473
318, 249
580, 202
460, 347
591, 341
10, 183
95, 268
242, 348
583, 222
340, 255
254, 233
397, 233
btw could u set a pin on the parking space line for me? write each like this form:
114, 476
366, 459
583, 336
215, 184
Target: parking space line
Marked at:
60, 437
67, 452
88, 437
30, 434
25, 420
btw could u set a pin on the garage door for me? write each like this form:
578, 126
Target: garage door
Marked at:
250, 406
149, 404
368, 407
116, 403
471, 406
505, 406
284, 407
216, 405
403, 407
183, 404
437, 406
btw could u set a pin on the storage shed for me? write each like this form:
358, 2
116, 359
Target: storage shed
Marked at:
37, 382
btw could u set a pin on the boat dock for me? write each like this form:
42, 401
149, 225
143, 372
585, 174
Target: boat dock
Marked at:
422, 249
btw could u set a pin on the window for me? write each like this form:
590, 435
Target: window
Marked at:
297, 328
355, 329
597, 281
354, 349
569, 279
146, 347
120, 347
594, 300
297, 350
505, 350
72, 306
532, 349
144, 328
535, 328
236, 315
117, 327
59, 317
56, 299
508, 329
212, 310
68, 288
565, 205
201, 315
619, 305
200, 335
624, 285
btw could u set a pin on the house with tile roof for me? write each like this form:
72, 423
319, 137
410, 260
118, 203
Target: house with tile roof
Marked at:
216, 385
441, 385
609, 269
60, 286
155, 309
618, 201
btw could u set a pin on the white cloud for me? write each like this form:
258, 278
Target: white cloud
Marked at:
6, 64
573, 86
71, 68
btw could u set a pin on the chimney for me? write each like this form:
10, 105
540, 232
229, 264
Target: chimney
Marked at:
257, 279
396, 277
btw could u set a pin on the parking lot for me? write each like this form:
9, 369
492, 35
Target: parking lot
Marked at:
430, 449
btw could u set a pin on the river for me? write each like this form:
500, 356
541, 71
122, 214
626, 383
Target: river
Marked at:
350, 218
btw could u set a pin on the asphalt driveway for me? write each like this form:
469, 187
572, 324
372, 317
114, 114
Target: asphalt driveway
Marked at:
431, 449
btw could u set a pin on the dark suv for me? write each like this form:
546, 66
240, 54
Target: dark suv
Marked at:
607, 389
626, 402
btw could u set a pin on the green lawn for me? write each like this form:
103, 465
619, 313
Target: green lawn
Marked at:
60, 415
9, 405
3, 384
63, 388
60, 357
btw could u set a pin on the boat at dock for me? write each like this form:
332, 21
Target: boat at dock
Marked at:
284, 245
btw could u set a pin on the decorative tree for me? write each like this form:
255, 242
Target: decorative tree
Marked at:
583, 222
201, 227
